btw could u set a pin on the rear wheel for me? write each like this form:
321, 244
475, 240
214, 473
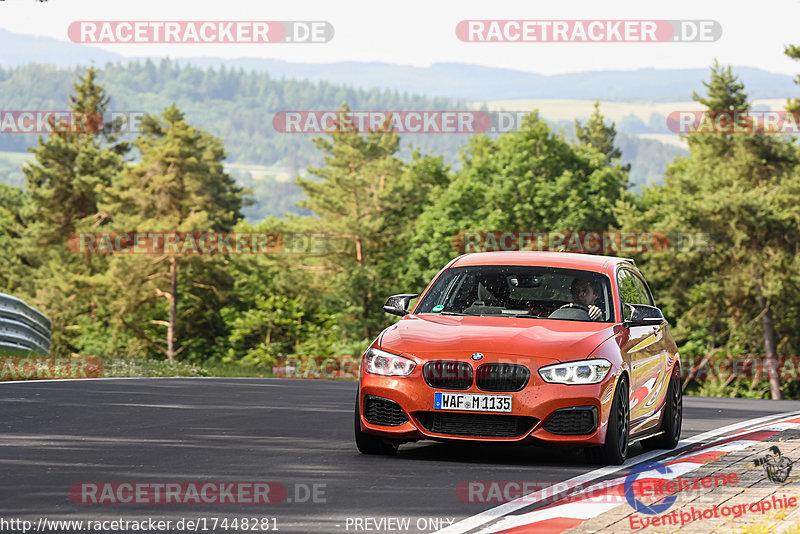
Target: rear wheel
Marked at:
672, 420
615, 449
369, 444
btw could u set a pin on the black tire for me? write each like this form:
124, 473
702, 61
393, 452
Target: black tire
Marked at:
615, 449
369, 444
673, 418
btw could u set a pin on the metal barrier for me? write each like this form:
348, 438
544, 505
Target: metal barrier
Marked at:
23, 328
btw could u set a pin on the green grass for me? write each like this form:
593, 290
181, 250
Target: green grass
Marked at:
128, 368
232, 369
154, 368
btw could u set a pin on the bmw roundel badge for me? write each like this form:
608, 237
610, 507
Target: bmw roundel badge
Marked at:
477, 357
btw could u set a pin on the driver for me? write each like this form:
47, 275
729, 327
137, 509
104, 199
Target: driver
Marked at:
583, 291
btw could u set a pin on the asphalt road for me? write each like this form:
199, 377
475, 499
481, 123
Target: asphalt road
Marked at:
295, 432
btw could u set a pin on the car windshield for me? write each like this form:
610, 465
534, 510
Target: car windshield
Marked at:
520, 291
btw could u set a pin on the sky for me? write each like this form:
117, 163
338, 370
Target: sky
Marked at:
422, 32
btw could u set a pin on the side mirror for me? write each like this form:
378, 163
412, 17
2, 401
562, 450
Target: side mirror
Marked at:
398, 304
643, 315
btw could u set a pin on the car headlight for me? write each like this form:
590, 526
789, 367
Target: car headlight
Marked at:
581, 372
380, 362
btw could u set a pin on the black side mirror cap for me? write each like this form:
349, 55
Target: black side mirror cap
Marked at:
398, 304
643, 315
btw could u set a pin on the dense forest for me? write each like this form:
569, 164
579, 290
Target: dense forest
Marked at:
388, 225
238, 106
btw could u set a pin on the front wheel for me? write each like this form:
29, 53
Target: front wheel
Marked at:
367, 443
615, 449
672, 420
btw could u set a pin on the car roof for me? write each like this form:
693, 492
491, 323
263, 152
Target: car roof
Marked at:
564, 260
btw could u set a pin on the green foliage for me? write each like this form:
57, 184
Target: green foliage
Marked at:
714, 387
596, 134
531, 180
269, 329
12, 269
232, 104
64, 187
354, 195
370, 224
133, 367
178, 186
793, 51
239, 107
741, 189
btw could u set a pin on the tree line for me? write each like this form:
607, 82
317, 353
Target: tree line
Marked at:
239, 107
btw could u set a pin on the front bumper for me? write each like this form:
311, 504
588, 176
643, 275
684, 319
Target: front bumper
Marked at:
541, 412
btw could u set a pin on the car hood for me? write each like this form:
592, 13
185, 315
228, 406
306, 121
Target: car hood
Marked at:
551, 339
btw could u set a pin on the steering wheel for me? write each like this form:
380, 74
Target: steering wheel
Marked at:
575, 305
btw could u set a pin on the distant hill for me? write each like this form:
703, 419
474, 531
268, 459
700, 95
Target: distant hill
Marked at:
238, 107
238, 104
452, 80
19, 49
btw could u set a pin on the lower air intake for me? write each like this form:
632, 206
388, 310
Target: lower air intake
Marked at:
573, 421
475, 425
380, 411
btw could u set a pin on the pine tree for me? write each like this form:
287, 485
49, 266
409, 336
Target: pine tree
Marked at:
793, 51
596, 134
724, 91
725, 95
13, 269
72, 169
179, 186
351, 198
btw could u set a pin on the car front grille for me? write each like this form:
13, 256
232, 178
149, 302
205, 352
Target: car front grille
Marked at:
502, 377
475, 425
572, 421
448, 374
380, 411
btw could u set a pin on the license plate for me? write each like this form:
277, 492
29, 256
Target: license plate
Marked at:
472, 402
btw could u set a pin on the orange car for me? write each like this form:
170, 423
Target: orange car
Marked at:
545, 347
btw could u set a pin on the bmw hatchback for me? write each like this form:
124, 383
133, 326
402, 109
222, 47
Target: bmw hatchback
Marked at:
550, 348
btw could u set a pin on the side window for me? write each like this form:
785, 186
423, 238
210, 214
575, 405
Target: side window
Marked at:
641, 287
629, 292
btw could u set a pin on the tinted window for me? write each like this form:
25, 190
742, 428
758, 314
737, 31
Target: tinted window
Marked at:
644, 294
521, 291
632, 290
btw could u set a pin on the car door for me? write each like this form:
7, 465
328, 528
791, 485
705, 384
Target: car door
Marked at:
661, 365
645, 347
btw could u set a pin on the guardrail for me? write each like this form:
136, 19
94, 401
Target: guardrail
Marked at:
23, 328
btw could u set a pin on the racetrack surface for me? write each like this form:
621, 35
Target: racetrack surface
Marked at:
297, 432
